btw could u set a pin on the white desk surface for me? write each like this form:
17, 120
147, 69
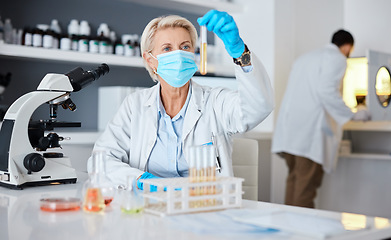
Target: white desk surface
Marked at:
21, 218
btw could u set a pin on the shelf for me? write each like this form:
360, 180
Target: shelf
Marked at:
375, 126
18, 51
369, 156
26, 52
191, 6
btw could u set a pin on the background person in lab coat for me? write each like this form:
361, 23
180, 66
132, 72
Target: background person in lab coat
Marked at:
310, 120
154, 128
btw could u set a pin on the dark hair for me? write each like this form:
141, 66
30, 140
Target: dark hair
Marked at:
342, 37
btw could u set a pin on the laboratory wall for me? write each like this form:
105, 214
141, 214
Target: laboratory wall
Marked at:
285, 53
256, 27
315, 22
369, 22
301, 26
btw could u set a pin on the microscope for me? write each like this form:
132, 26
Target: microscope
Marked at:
24, 159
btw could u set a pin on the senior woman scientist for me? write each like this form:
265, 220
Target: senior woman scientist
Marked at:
152, 131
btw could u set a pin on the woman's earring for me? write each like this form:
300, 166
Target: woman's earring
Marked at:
155, 71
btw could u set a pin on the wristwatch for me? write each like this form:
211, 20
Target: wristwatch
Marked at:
245, 59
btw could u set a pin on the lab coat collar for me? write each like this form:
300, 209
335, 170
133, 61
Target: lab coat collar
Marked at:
197, 95
152, 97
334, 47
151, 110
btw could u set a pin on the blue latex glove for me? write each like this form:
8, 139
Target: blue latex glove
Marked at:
146, 175
224, 26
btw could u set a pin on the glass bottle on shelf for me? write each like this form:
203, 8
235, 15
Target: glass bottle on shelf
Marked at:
98, 190
55, 27
104, 40
8, 31
84, 39
94, 45
27, 37
37, 37
73, 32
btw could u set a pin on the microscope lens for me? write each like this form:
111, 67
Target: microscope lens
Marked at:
53, 111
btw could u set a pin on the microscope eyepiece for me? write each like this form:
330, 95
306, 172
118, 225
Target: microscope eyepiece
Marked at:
100, 71
80, 78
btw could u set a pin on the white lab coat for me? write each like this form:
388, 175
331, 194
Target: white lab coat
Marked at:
312, 112
130, 136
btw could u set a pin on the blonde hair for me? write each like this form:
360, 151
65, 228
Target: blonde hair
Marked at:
170, 21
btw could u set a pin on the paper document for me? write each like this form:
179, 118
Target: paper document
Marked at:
313, 226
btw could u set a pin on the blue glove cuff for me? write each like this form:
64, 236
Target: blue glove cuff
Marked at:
236, 50
146, 175
140, 185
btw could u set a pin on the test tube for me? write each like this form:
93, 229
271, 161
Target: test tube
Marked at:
200, 175
212, 176
203, 52
192, 164
205, 176
192, 169
208, 151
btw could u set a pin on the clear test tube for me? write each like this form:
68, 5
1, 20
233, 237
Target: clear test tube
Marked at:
192, 171
198, 164
201, 168
200, 175
211, 163
211, 174
205, 177
192, 164
203, 52
191, 156
205, 153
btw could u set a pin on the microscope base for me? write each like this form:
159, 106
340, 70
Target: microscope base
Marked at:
39, 183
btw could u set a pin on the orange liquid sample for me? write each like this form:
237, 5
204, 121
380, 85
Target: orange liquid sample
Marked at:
108, 201
93, 201
60, 209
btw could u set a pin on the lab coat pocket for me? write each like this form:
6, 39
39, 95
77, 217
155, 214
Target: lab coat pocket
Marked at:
329, 126
224, 152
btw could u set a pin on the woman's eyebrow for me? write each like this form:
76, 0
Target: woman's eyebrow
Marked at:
166, 44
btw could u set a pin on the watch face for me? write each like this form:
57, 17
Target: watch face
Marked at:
246, 59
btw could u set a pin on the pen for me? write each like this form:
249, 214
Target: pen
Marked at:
218, 165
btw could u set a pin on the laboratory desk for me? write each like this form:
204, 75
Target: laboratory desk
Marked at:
21, 218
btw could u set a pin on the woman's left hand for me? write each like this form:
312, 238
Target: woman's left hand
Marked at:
224, 26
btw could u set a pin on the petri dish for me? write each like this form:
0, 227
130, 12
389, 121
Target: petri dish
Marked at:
60, 204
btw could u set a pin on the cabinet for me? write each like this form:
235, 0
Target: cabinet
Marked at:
360, 183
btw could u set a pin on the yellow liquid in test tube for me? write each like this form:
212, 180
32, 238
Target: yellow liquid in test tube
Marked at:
203, 52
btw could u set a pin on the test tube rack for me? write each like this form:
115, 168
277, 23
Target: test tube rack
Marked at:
173, 195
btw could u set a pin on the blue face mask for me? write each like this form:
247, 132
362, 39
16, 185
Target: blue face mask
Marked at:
176, 67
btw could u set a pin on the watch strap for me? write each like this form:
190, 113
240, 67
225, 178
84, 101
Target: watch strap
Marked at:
239, 61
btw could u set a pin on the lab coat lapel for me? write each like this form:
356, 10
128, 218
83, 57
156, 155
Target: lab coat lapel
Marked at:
150, 125
193, 112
